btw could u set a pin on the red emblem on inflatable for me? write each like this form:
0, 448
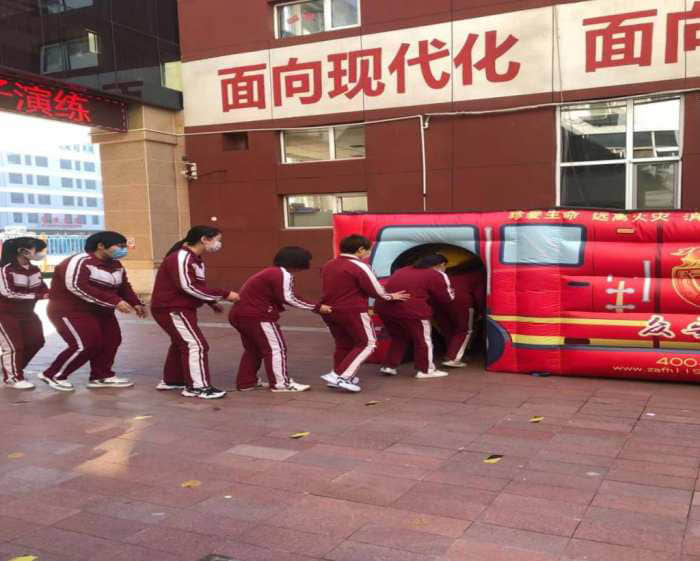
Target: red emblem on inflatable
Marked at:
686, 276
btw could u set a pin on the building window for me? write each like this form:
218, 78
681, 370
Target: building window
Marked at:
68, 201
58, 6
621, 154
74, 54
90, 184
80, 219
68, 219
332, 143
235, 141
66, 164
42, 180
315, 16
27, 160
87, 166
92, 202
79, 183
30, 198
29, 179
80, 201
33, 218
41, 161
15, 178
95, 220
67, 182
14, 159
17, 217
17, 197
77, 165
44, 199
316, 211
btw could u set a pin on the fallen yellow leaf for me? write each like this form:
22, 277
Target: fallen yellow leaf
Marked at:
536, 419
371, 403
190, 484
16, 455
299, 434
142, 417
25, 558
493, 459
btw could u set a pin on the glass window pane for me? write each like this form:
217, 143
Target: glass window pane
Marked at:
656, 184
306, 146
344, 13
66, 164
42, 180
17, 217
593, 186
15, 178
41, 161
83, 52
67, 182
349, 142
353, 203
657, 128
310, 211
14, 159
53, 59
303, 18
593, 132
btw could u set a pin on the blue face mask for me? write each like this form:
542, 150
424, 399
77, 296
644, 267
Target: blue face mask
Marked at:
119, 253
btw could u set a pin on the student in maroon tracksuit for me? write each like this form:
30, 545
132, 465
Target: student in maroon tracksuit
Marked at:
409, 322
255, 316
85, 291
21, 285
347, 284
457, 322
180, 288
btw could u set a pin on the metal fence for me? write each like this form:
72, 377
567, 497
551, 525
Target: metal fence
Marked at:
65, 245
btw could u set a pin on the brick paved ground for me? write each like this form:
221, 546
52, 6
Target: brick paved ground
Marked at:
608, 475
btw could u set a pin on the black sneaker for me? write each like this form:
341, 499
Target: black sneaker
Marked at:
209, 392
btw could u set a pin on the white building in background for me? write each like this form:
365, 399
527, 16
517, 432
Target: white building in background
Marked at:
50, 189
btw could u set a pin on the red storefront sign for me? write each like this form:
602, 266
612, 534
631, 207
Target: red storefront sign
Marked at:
48, 101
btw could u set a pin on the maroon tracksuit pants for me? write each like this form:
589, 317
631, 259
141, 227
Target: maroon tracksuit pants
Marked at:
91, 337
21, 337
405, 332
187, 363
458, 332
262, 342
355, 340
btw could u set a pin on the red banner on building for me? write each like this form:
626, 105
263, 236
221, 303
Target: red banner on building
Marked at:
59, 103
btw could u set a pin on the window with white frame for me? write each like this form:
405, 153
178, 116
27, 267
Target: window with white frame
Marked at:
73, 54
621, 154
316, 211
307, 17
322, 144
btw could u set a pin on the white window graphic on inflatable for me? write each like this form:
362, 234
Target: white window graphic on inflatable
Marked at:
545, 244
393, 241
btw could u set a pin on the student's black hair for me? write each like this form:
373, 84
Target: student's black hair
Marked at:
466, 267
430, 261
293, 258
11, 248
353, 243
195, 234
107, 239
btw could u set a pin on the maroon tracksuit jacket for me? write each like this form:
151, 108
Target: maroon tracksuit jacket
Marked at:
180, 288
21, 335
457, 321
84, 292
347, 285
255, 315
409, 321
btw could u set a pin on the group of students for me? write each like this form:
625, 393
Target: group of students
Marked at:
89, 287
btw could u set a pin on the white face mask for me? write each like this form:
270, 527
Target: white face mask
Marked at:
37, 256
213, 247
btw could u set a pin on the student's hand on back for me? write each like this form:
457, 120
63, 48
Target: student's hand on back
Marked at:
233, 297
124, 307
324, 309
141, 311
400, 296
217, 308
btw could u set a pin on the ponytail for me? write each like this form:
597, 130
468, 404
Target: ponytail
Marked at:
11, 248
195, 234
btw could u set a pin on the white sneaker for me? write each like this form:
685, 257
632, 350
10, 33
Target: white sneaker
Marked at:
431, 374
454, 363
20, 385
292, 386
111, 382
331, 379
348, 385
163, 386
209, 392
388, 371
58, 385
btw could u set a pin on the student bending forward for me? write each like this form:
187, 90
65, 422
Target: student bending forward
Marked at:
255, 316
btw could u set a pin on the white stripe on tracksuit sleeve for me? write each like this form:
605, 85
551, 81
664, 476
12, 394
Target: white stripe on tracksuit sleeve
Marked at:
183, 264
288, 292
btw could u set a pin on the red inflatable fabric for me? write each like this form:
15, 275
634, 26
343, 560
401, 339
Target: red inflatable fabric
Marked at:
569, 291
